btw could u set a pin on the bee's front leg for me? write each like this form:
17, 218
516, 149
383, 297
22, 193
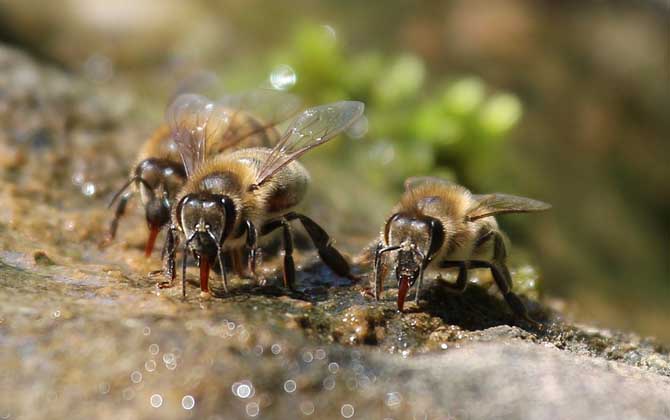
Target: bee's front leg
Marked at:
169, 255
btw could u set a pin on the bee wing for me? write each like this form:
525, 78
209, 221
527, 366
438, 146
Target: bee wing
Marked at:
493, 204
313, 127
267, 108
415, 181
193, 119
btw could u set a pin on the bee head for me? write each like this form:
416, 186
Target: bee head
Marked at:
159, 181
418, 240
206, 220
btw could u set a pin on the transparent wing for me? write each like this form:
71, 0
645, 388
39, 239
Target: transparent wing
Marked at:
254, 112
492, 204
313, 127
194, 119
415, 181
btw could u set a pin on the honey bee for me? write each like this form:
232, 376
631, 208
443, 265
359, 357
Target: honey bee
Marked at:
243, 120
231, 200
440, 225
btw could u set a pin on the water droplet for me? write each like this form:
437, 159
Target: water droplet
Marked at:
188, 402
307, 408
347, 411
444, 346
56, 314
150, 365
243, 389
283, 77
258, 350
393, 399
307, 357
154, 349
88, 189
333, 367
253, 409
168, 358
330, 31
382, 152
329, 383
136, 377
156, 400
320, 354
276, 349
146, 331
290, 386
104, 388
78, 178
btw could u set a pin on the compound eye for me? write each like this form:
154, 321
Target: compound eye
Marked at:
150, 173
173, 181
189, 212
397, 228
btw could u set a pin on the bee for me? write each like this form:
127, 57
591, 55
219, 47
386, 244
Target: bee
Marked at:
231, 200
440, 225
244, 120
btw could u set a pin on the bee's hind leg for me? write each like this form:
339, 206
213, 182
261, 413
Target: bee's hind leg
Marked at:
462, 279
169, 256
287, 244
503, 280
329, 255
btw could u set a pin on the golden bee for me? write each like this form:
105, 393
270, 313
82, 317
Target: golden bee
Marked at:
231, 200
243, 120
440, 225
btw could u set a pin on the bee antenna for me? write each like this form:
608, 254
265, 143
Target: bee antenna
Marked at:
120, 191
125, 187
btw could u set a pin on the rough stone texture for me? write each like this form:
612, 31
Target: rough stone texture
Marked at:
85, 334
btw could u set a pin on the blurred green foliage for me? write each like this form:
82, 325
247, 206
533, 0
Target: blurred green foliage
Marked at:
449, 127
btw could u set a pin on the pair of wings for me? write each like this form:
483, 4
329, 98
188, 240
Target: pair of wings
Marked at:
486, 204
194, 120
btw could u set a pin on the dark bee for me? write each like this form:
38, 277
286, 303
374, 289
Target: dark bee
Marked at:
439, 225
230, 200
245, 120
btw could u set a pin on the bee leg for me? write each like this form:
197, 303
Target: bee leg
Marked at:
500, 256
461, 280
169, 255
222, 266
287, 244
252, 239
376, 271
503, 280
289, 265
236, 262
329, 255
380, 270
120, 211
418, 287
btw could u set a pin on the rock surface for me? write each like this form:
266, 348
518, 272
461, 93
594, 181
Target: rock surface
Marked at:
85, 334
